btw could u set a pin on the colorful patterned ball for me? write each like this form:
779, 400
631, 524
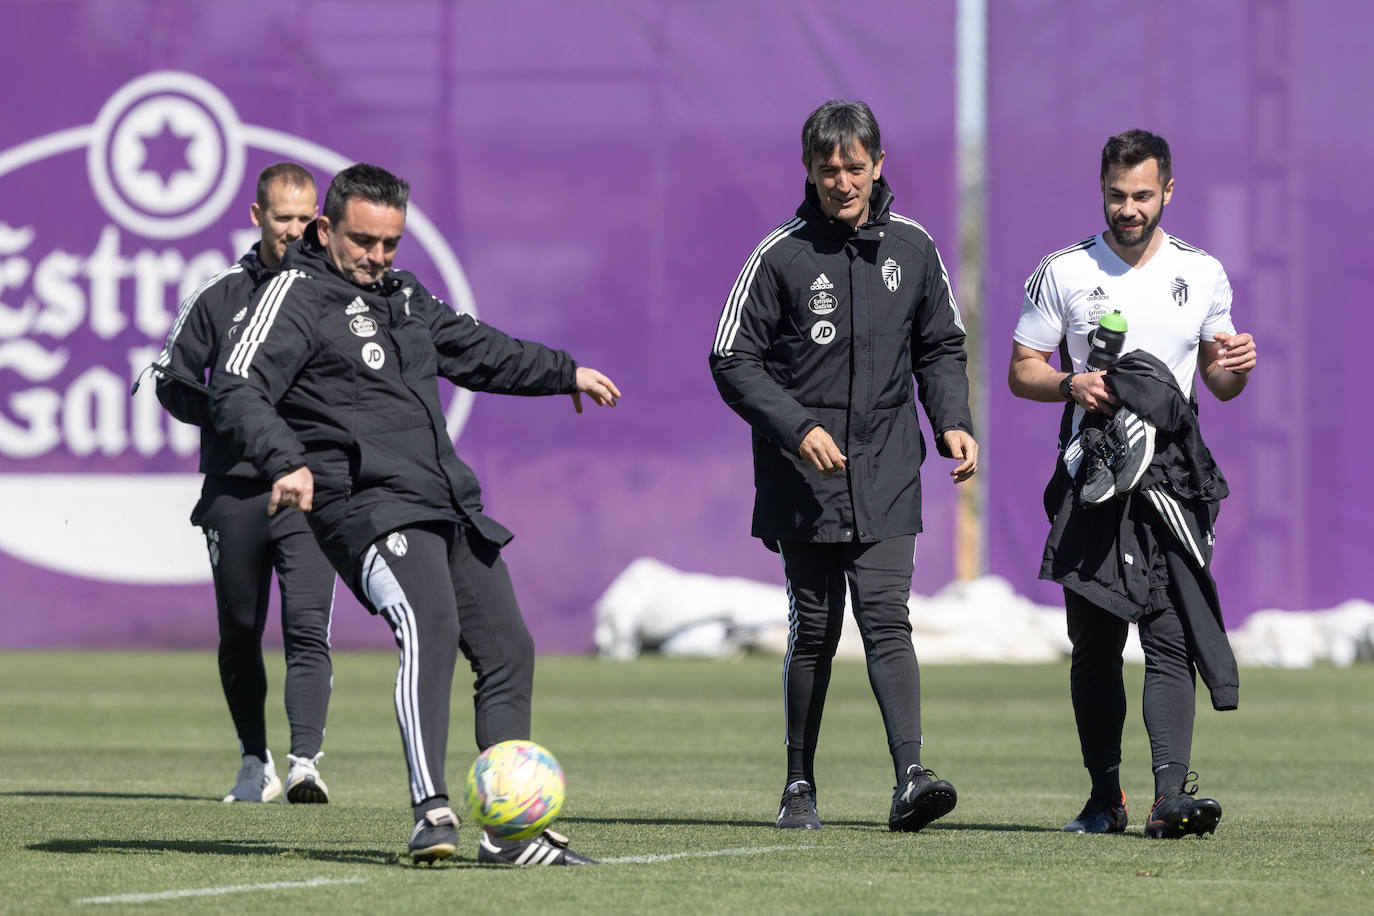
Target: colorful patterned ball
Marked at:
515, 789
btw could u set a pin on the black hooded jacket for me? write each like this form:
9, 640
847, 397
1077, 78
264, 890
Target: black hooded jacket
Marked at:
826, 326
343, 379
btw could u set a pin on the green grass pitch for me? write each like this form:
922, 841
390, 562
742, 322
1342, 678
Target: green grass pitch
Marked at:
112, 764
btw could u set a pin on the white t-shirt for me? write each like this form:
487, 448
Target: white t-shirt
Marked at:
1176, 299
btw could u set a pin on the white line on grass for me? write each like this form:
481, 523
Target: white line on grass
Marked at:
746, 851
214, 891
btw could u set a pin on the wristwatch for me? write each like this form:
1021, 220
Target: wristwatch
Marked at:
1066, 386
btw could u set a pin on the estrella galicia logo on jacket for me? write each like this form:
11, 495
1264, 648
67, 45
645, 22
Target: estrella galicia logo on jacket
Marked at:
374, 356
212, 543
356, 307
822, 332
363, 326
1180, 290
396, 543
892, 274
822, 303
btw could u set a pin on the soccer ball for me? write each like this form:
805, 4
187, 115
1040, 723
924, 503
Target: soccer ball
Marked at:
515, 789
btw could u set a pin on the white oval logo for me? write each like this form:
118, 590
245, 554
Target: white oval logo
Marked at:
822, 332
363, 326
822, 303
374, 355
396, 543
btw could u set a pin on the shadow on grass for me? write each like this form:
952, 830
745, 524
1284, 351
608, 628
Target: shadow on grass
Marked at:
218, 848
142, 796
1000, 828
858, 825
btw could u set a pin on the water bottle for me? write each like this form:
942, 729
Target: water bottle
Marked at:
1106, 341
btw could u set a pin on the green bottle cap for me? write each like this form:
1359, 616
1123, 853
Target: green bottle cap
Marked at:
1114, 321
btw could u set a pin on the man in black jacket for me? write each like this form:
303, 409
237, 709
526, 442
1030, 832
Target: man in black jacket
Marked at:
331, 391
816, 349
1145, 555
245, 545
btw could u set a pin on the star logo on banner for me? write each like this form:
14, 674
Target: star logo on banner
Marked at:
166, 155
165, 152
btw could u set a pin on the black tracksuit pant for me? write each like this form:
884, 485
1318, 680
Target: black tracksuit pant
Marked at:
878, 577
245, 546
445, 590
1099, 693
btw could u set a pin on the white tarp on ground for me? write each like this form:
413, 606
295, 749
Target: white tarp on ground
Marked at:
651, 607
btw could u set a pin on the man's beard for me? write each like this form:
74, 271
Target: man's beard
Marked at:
1146, 232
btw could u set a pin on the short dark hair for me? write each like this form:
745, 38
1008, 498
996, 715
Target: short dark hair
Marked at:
363, 181
288, 173
1134, 147
838, 125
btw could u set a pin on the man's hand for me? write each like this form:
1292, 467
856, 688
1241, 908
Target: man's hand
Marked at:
592, 383
295, 490
821, 450
962, 446
1236, 353
1091, 392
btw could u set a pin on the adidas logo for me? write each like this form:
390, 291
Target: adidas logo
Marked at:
241, 314
822, 282
1097, 295
356, 307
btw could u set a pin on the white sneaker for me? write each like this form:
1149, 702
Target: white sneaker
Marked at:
256, 782
303, 783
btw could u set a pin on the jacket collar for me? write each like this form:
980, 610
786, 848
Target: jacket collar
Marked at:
879, 211
252, 262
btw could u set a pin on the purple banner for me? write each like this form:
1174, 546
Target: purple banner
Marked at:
591, 176
1270, 161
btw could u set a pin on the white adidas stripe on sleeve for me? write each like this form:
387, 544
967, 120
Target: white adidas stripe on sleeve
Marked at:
944, 274
241, 357
734, 303
166, 356
1172, 513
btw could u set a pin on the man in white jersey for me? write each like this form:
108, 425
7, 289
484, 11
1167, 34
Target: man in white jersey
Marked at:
1177, 303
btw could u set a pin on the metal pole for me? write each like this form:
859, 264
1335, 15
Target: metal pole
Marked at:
970, 549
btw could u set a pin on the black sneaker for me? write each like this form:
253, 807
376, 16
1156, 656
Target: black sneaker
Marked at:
798, 808
435, 836
1135, 441
1177, 814
920, 800
548, 848
1099, 455
1099, 817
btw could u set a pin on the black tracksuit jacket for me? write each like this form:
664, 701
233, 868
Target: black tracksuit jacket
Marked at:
826, 326
193, 347
344, 380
